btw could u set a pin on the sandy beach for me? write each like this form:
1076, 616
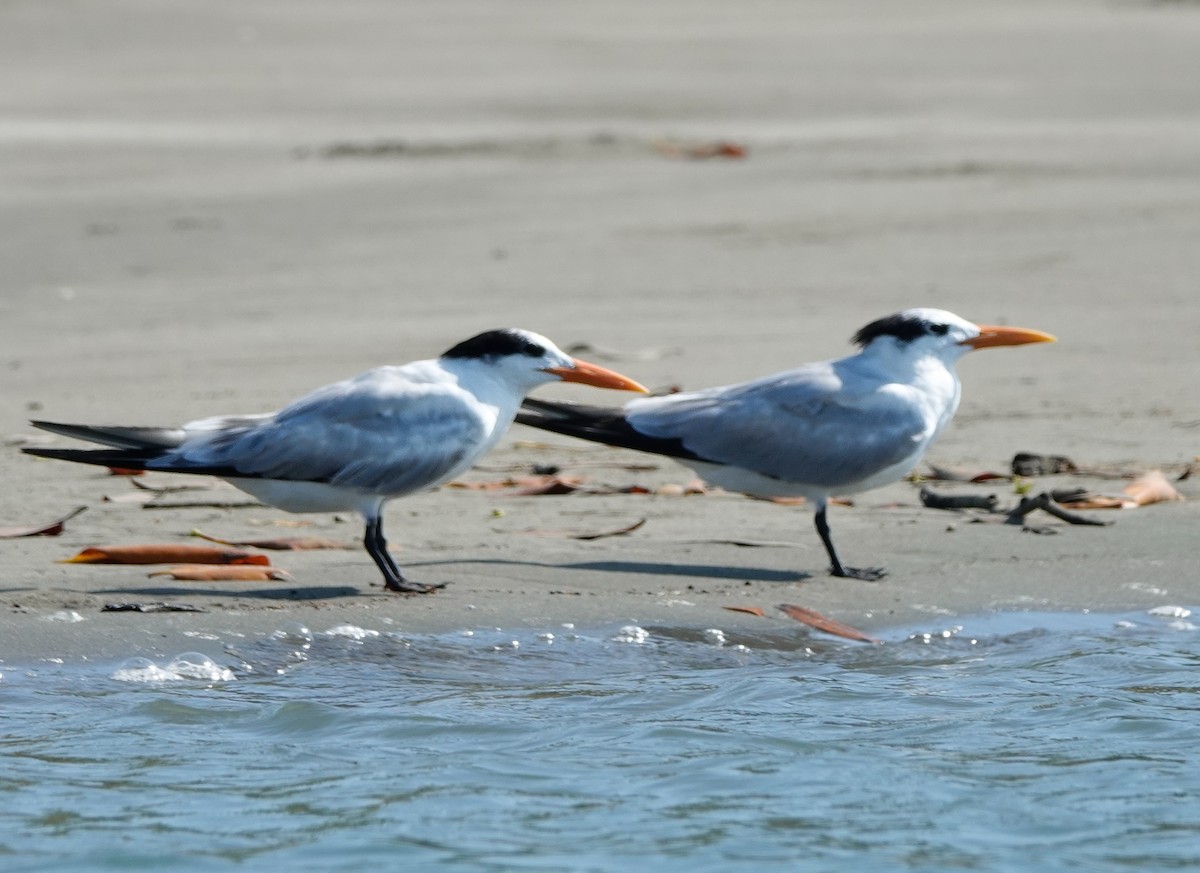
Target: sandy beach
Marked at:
215, 209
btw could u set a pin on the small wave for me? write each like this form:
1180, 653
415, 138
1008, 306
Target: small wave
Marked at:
188, 666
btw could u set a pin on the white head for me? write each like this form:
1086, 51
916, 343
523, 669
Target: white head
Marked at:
526, 359
941, 333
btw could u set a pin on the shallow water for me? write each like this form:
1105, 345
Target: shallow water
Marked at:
1017, 742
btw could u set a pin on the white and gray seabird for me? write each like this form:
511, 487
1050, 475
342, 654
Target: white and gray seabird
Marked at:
824, 429
357, 444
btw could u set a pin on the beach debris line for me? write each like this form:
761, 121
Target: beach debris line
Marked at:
45, 529
295, 544
815, 620
222, 573
1148, 488
169, 553
989, 504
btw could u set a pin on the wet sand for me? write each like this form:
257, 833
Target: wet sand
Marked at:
218, 209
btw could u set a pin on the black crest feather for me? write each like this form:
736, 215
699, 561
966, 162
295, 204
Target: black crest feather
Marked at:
496, 344
902, 326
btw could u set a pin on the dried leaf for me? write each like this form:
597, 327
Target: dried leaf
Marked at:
1151, 487
962, 474
171, 553
585, 535
719, 149
747, 544
814, 619
124, 471
612, 533
551, 485
752, 610
294, 544
49, 529
222, 573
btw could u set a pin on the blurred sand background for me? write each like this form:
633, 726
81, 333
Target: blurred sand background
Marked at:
215, 207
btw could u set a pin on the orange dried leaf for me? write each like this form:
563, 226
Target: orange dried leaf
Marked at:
171, 553
814, 619
1151, 487
221, 573
752, 610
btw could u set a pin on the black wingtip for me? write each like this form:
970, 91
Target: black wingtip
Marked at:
598, 425
98, 457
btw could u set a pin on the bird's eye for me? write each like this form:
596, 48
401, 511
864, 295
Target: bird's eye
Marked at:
939, 329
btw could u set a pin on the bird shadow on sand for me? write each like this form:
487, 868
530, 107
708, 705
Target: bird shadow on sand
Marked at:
297, 593
647, 568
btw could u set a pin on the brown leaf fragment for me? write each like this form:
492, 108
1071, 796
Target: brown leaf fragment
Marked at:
171, 553
125, 471
814, 619
745, 544
585, 535
962, 474
282, 544
752, 610
611, 533
1151, 487
551, 485
222, 573
527, 485
699, 151
49, 529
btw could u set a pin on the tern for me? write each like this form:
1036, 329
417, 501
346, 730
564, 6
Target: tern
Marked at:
356, 444
828, 428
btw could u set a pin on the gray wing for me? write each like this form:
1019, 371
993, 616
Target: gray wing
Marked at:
810, 425
377, 432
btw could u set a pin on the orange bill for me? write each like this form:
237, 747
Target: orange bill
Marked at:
993, 336
592, 374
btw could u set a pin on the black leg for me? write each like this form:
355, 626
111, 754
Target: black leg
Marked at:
393, 579
867, 574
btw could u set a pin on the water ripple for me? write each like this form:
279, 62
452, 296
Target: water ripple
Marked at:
1061, 738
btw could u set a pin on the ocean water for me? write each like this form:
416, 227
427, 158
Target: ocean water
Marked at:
1007, 742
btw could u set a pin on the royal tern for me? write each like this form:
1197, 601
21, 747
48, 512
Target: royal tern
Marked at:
824, 429
356, 444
